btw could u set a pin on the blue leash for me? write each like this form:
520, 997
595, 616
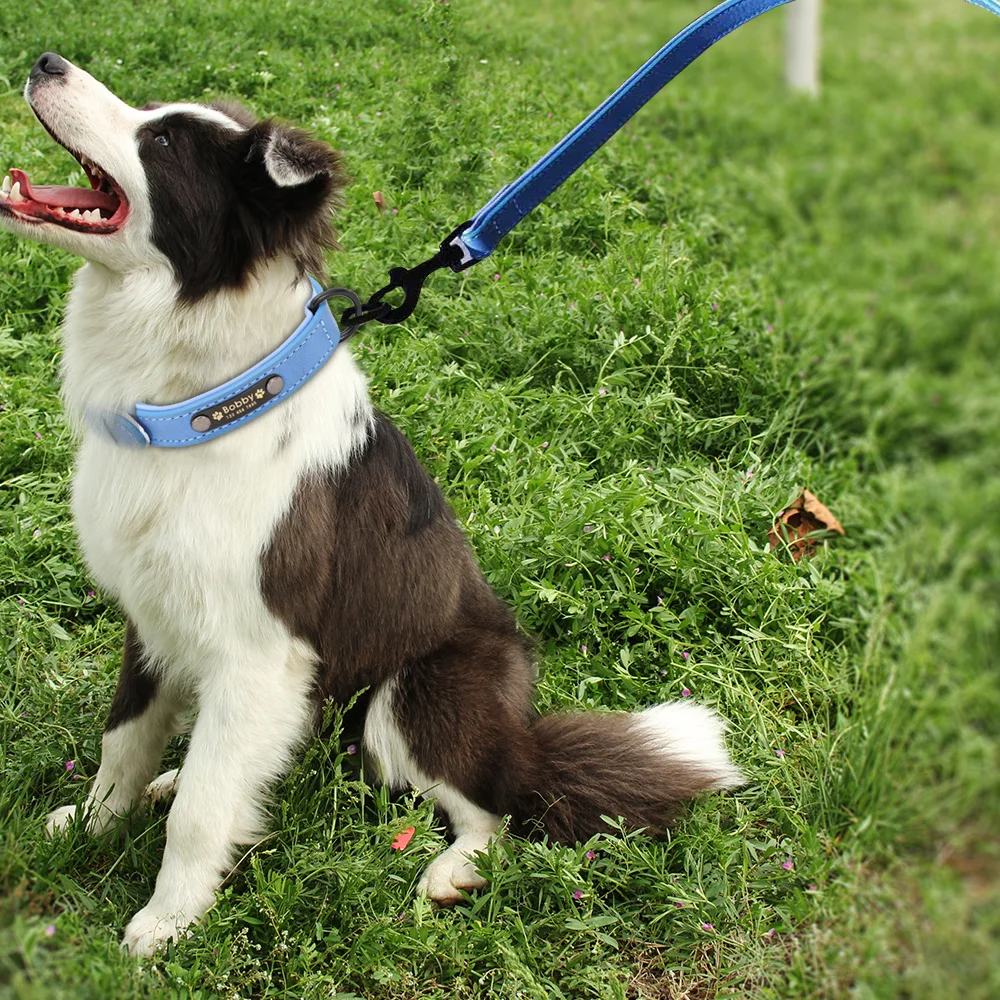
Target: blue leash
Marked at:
475, 240
507, 208
991, 5
312, 343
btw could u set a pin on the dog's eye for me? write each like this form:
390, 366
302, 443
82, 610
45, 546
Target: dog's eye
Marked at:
163, 139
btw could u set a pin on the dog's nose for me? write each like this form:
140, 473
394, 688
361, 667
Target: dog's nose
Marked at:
49, 64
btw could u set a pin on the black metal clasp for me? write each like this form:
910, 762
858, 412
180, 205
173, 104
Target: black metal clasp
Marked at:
409, 279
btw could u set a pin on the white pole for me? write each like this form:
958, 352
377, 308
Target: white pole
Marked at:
802, 46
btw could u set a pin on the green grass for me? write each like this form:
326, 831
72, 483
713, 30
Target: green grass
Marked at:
744, 294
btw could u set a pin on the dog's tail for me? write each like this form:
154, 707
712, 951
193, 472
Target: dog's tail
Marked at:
638, 766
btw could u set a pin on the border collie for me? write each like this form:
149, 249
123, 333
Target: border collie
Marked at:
302, 557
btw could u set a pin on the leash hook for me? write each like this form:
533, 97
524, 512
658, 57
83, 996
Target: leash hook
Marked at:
411, 280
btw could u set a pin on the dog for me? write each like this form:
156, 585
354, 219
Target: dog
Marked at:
305, 555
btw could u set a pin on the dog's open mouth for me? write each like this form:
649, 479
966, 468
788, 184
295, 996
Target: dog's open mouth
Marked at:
102, 209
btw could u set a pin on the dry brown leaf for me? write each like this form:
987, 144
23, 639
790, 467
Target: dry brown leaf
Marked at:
379, 200
800, 526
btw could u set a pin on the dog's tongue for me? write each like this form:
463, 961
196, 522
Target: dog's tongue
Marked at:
64, 197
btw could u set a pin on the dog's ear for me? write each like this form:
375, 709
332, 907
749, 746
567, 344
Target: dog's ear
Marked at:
292, 158
286, 188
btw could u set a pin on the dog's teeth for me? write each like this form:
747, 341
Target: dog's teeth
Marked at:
6, 184
92, 216
75, 214
15, 192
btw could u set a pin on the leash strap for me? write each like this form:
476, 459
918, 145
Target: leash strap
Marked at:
475, 240
511, 204
232, 404
991, 5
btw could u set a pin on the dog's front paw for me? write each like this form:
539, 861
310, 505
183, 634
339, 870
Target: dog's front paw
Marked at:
59, 819
149, 929
446, 876
162, 788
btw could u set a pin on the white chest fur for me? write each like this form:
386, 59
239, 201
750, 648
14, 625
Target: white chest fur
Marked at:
177, 535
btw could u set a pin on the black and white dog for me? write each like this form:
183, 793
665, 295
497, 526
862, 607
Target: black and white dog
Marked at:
304, 556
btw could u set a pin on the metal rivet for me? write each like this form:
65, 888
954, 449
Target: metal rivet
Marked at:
201, 423
274, 385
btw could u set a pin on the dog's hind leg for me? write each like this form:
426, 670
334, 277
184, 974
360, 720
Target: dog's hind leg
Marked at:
448, 726
253, 709
454, 870
143, 717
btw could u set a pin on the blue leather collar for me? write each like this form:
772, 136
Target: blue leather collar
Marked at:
234, 403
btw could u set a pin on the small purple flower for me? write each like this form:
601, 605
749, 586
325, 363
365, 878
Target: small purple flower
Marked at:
770, 328
584, 648
606, 557
635, 281
395, 211
20, 600
37, 434
588, 527
811, 887
493, 447
769, 934
680, 906
70, 764
685, 692
590, 855
90, 593
352, 749
578, 894
779, 752
37, 533
496, 277
602, 392
788, 864
545, 444
715, 307
708, 927
50, 931
685, 655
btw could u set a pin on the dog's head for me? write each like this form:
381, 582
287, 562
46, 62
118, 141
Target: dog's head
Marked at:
209, 190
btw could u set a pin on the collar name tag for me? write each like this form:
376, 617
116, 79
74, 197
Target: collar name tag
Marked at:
238, 406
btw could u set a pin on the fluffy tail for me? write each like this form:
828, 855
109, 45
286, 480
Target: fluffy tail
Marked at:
639, 766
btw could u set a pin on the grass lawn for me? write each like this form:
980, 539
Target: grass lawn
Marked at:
744, 294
